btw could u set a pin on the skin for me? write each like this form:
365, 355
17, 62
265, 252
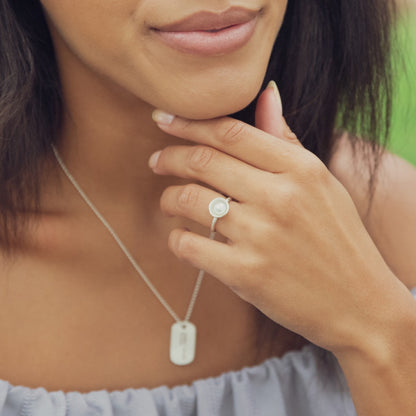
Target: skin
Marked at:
275, 269
107, 46
113, 76
285, 198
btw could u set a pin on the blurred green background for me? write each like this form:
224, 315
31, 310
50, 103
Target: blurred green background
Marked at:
403, 129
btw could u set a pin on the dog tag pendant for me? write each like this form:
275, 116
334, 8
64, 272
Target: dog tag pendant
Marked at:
182, 343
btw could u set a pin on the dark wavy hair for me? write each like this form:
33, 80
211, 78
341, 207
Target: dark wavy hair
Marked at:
331, 59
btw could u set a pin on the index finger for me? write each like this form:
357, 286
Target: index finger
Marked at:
236, 138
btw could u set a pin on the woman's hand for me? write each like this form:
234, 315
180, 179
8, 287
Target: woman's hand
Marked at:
296, 247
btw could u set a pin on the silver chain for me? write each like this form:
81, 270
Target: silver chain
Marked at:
127, 253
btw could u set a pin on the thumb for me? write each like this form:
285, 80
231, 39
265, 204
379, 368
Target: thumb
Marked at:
269, 114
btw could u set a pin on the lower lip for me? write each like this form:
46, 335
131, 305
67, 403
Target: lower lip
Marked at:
210, 43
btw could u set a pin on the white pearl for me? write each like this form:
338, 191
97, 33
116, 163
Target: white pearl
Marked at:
219, 207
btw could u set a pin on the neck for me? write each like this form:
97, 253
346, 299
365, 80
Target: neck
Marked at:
106, 140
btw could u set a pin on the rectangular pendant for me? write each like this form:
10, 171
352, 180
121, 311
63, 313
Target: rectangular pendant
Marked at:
182, 343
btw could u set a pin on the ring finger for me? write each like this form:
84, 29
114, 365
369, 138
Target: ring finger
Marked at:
192, 201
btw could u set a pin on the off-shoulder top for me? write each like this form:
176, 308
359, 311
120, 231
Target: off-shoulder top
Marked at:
305, 382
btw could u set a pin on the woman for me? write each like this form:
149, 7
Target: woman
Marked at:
83, 113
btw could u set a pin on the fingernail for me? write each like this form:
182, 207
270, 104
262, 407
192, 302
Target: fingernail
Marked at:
161, 117
154, 158
273, 86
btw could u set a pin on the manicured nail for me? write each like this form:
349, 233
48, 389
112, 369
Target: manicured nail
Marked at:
161, 117
273, 86
154, 158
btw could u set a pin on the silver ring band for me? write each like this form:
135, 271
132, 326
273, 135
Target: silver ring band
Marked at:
218, 208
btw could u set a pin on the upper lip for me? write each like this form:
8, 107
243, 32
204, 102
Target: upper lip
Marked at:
205, 20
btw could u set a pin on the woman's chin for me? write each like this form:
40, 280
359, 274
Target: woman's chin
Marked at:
204, 111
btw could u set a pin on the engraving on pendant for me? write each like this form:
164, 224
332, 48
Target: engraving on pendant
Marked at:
182, 343
218, 207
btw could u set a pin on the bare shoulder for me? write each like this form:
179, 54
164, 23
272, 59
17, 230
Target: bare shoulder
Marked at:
391, 221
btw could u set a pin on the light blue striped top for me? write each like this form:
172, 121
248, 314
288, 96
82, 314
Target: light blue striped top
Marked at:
306, 382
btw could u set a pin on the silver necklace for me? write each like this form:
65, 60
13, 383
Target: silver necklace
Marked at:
183, 332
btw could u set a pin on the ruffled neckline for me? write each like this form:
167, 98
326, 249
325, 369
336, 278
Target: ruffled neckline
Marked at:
281, 361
